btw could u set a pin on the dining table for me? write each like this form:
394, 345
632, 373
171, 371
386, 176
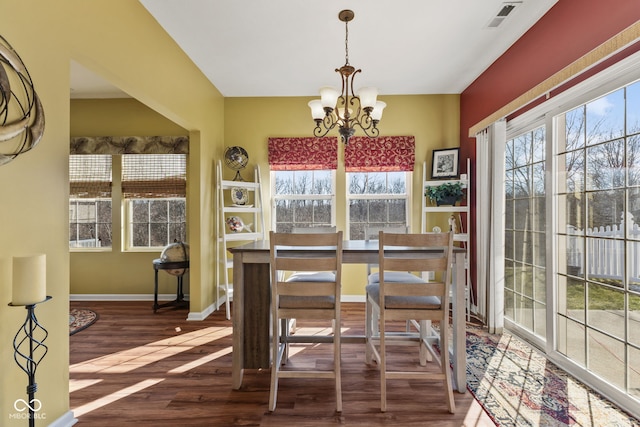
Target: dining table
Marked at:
252, 295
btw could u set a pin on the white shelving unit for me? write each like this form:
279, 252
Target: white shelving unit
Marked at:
252, 216
462, 213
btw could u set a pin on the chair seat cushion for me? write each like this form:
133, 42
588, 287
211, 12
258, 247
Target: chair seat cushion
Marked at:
403, 302
395, 276
288, 301
312, 276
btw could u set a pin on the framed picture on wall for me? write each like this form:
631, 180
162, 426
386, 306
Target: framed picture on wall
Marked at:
444, 163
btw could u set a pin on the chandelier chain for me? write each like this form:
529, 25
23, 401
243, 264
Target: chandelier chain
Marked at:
346, 42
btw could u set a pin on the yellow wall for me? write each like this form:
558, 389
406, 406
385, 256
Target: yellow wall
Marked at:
432, 119
126, 272
120, 41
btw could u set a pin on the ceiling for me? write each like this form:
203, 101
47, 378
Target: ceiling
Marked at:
292, 47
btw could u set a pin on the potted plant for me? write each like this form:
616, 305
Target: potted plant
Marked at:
447, 193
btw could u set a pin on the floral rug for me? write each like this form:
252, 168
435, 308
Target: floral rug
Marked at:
517, 386
81, 318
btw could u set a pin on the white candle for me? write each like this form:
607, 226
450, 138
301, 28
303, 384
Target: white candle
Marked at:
29, 279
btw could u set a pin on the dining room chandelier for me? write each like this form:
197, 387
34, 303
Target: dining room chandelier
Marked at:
345, 109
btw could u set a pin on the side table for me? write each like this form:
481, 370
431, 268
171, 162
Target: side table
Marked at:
179, 302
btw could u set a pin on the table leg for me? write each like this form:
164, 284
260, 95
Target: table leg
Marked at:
459, 325
251, 315
237, 361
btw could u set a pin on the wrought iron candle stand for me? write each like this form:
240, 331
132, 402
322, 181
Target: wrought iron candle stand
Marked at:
29, 350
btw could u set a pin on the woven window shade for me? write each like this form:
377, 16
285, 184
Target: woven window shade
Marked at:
154, 175
90, 176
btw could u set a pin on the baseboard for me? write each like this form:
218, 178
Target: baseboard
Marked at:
193, 315
122, 297
66, 420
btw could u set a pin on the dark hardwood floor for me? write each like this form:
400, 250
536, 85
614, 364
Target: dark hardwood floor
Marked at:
136, 368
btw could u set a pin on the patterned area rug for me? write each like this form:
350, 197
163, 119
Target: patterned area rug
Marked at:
81, 318
517, 386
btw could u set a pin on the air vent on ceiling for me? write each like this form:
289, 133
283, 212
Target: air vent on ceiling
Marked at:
502, 14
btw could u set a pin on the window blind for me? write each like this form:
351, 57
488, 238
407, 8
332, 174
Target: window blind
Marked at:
154, 175
308, 153
90, 176
382, 154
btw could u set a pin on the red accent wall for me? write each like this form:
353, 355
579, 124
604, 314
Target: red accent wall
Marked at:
566, 32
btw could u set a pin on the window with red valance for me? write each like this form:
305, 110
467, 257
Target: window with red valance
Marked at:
381, 154
308, 153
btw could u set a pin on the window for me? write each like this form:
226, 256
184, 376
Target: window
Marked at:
303, 199
90, 201
303, 182
376, 199
154, 194
378, 171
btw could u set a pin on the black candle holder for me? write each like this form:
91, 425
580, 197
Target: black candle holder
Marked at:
29, 350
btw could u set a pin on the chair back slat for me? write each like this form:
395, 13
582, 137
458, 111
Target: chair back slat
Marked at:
402, 252
314, 230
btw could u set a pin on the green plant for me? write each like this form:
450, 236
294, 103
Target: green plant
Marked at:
447, 191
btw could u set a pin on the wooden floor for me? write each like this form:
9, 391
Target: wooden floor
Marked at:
136, 368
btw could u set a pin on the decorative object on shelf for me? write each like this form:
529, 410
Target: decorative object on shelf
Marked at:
239, 196
236, 158
436, 229
21, 112
444, 163
448, 193
175, 252
336, 108
452, 224
29, 289
235, 224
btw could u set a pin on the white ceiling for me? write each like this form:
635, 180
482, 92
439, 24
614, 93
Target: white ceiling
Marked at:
292, 47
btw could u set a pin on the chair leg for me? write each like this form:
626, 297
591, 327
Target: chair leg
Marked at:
275, 366
368, 328
336, 361
383, 369
424, 353
446, 369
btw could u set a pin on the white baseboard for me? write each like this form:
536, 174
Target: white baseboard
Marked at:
193, 315
122, 297
66, 420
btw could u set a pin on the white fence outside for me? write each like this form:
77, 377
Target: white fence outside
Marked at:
605, 256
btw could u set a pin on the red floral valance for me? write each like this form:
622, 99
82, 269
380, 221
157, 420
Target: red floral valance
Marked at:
382, 154
308, 153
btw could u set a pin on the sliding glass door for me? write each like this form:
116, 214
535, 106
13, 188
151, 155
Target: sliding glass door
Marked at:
598, 277
525, 235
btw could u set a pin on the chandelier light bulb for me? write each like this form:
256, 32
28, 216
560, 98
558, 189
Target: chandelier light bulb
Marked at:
376, 114
368, 97
317, 112
329, 97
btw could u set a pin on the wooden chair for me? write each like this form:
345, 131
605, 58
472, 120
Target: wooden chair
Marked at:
316, 299
411, 300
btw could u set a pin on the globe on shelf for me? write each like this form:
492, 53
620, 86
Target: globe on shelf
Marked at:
175, 252
236, 158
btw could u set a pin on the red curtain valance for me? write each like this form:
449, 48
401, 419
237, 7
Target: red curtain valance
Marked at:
308, 153
382, 154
